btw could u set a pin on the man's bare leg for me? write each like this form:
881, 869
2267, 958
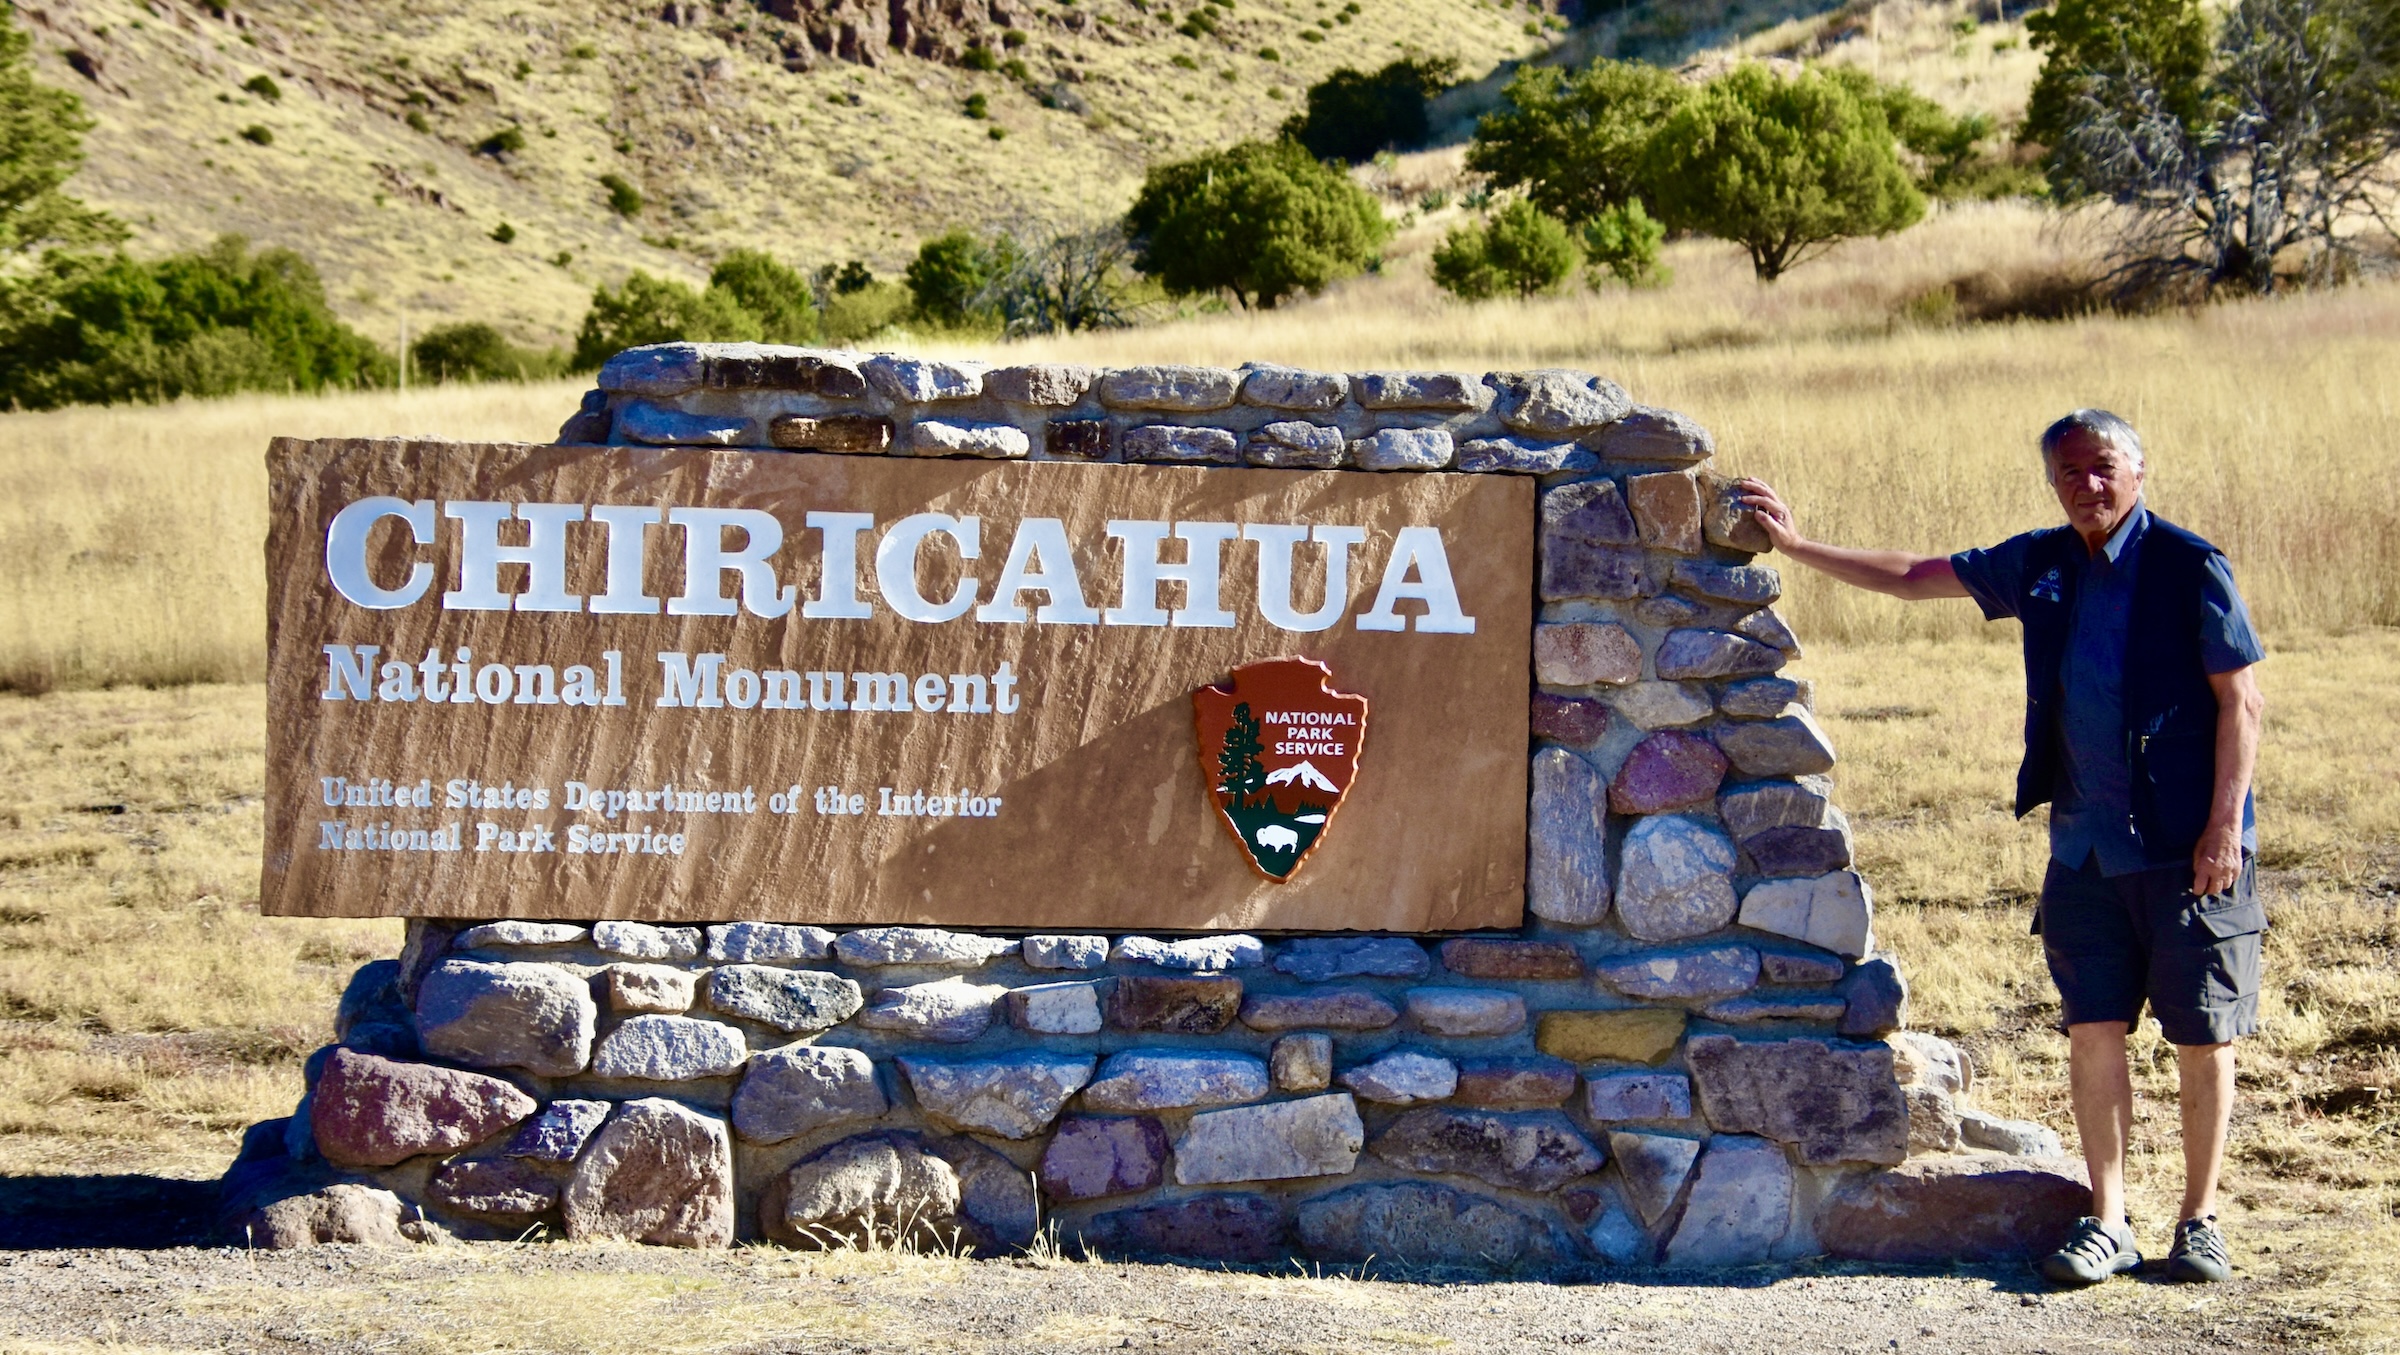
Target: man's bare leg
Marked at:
2103, 1091
2205, 1090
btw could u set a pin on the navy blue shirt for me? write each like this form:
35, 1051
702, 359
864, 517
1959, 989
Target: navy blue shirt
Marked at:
2091, 810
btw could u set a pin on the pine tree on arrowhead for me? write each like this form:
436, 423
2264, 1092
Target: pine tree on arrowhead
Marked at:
1240, 774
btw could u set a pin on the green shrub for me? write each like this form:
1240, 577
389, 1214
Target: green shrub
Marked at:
1013, 39
478, 352
1522, 249
648, 309
507, 141
623, 198
1351, 116
417, 122
1261, 220
504, 233
778, 294
977, 106
264, 86
1623, 243
979, 58
258, 136
860, 314
100, 329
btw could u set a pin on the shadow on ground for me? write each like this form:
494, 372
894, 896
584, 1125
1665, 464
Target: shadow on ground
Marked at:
48, 1213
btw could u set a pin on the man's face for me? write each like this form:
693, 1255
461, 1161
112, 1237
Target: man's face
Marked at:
2097, 483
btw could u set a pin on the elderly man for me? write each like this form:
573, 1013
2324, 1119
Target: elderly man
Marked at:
2141, 729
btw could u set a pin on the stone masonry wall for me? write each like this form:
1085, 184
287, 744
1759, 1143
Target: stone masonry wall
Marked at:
1690, 1055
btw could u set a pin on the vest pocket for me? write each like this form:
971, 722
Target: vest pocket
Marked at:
2176, 775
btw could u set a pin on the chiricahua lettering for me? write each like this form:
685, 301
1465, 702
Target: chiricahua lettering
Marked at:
864, 565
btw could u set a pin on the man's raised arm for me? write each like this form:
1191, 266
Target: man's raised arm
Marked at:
1897, 573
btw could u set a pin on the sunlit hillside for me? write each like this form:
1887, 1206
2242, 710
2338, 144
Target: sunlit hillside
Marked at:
389, 158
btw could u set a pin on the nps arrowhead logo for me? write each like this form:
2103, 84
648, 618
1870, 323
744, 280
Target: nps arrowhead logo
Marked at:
1279, 747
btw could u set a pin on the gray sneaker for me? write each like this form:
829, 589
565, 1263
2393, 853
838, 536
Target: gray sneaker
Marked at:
2199, 1256
2094, 1253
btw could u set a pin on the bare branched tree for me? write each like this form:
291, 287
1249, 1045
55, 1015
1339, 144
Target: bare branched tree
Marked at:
1062, 282
2274, 159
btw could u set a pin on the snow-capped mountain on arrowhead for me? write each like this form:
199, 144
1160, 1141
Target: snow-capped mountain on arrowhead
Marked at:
1305, 774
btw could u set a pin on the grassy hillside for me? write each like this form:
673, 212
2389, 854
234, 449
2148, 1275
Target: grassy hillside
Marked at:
728, 144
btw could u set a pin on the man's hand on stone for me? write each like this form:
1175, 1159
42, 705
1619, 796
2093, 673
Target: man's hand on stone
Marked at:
1772, 513
2217, 861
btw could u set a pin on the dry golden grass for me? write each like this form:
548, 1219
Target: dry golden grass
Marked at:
132, 538
147, 1013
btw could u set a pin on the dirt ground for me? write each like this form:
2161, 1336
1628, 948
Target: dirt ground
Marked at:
154, 1291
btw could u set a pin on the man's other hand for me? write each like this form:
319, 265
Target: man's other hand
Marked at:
2217, 861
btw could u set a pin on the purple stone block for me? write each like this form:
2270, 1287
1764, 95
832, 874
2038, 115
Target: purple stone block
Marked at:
1799, 851
1569, 719
1591, 511
1093, 1156
1672, 769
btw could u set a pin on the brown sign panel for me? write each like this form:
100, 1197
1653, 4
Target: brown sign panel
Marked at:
695, 685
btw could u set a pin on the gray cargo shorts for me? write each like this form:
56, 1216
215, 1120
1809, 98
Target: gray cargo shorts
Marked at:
2116, 942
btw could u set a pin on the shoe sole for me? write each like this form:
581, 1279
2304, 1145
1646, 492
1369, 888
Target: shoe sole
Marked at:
2182, 1271
2122, 1263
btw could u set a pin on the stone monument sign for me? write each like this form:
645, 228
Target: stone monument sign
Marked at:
682, 684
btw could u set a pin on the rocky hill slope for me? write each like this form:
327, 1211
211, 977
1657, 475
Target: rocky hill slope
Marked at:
392, 143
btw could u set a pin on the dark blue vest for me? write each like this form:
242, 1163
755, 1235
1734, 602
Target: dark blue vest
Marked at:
2170, 710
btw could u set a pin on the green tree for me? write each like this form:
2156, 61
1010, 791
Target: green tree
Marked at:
778, 294
108, 328
952, 276
648, 309
1522, 249
1240, 773
2225, 161
1262, 220
1577, 145
41, 146
1786, 168
1350, 116
2131, 52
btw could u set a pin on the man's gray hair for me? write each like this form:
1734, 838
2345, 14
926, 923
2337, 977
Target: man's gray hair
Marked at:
2101, 424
